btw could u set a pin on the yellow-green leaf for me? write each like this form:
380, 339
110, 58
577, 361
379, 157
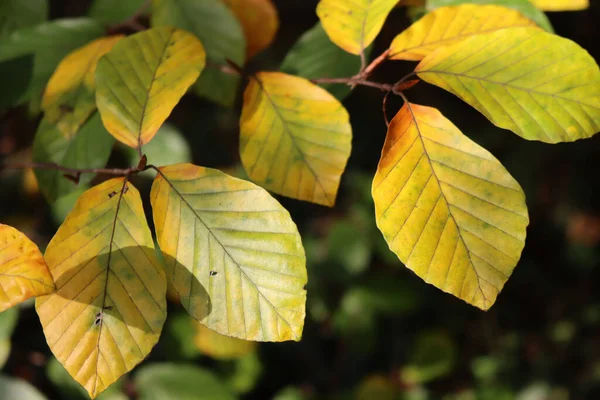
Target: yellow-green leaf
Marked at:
561, 5
353, 25
232, 252
259, 20
70, 97
23, 271
447, 207
295, 137
109, 307
142, 79
219, 346
538, 85
449, 25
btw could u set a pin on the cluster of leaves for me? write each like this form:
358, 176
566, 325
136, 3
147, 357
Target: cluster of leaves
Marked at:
446, 207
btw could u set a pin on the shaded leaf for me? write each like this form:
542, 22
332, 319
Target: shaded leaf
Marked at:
523, 6
447, 207
219, 346
17, 14
449, 25
561, 5
11, 388
236, 258
114, 11
181, 382
259, 21
433, 356
8, 321
70, 97
538, 85
221, 34
109, 307
88, 147
353, 25
295, 137
49, 43
15, 77
142, 79
23, 272
315, 56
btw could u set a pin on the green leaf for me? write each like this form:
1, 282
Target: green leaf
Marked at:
221, 34
90, 147
433, 356
15, 77
348, 247
11, 388
143, 78
315, 56
237, 258
536, 84
49, 43
8, 322
17, 14
114, 11
181, 382
524, 6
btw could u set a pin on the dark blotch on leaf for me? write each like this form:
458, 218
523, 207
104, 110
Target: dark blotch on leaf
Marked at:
213, 273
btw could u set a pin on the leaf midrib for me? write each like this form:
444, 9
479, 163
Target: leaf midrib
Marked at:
503, 84
450, 214
294, 142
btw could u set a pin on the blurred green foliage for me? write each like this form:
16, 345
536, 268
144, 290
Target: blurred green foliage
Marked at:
373, 329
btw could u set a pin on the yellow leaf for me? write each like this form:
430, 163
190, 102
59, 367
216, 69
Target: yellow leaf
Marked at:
109, 307
219, 346
353, 25
143, 78
23, 272
295, 137
447, 207
259, 20
561, 5
70, 97
233, 253
449, 25
538, 85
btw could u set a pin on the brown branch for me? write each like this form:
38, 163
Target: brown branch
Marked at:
73, 173
375, 63
354, 81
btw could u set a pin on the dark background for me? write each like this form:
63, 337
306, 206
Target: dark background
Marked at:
371, 323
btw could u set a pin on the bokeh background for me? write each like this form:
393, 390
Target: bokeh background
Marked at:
373, 329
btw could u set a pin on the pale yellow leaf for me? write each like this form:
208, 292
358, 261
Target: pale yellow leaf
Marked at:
450, 25
353, 25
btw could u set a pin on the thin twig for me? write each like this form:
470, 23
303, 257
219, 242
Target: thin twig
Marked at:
75, 172
363, 61
375, 63
384, 106
353, 81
